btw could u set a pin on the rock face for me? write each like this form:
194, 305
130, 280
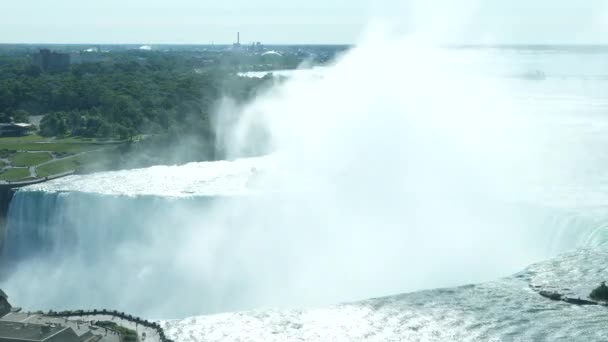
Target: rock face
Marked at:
5, 307
551, 295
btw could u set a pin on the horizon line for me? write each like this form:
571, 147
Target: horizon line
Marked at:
310, 43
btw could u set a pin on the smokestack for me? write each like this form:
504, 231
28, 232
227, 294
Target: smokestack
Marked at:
238, 38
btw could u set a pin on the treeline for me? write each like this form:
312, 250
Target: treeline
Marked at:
131, 94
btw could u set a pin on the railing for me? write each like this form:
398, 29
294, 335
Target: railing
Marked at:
113, 313
20, 184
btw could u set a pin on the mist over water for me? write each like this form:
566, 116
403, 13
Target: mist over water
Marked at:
401, 167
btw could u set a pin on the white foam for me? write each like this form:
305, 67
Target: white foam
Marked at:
220, 178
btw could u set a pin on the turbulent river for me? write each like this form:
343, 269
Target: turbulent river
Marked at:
367, 206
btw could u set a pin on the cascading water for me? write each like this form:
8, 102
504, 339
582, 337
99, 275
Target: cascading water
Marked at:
97, 251
417, 173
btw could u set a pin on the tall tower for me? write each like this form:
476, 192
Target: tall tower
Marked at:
237, 45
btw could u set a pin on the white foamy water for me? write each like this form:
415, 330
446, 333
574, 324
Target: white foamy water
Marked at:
503, 310
221, 178
572, 104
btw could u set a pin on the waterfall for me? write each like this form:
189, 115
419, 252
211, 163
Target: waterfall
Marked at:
92, 251
60, 224
381, 180
173, 257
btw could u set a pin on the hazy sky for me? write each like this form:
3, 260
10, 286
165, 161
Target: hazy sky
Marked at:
300, 21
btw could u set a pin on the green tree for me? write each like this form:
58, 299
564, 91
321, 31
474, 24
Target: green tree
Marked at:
600, 292
93, 125
54, 124
76, 122
4, 117
105, 130
21, 115
7, 98
32, 70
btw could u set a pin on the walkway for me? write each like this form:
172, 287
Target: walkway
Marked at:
80, 327
34, 179
145, 334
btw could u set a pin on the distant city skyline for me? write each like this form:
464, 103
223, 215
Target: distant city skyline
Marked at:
301, 22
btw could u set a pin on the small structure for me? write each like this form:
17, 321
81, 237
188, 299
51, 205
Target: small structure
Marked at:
256, 47
237, 45
52, 61
14, 129
271, 54
16, 326
19, 332
5, 306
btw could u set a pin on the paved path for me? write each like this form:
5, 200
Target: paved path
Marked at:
145, 334
55, 159
7, 163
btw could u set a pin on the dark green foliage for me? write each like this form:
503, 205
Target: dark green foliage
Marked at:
54, 124
127, 335
600, 292
4, 153
21, 115
160, 103
129, 94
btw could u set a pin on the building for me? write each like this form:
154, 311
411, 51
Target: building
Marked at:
52, 61
17, 326
5, 306
256, 47
271, 54
19, 332
14, 129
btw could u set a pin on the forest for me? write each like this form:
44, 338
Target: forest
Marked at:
128, 95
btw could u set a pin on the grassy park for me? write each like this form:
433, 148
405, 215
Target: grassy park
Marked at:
47, 156
15, 174
57, 167
26, 159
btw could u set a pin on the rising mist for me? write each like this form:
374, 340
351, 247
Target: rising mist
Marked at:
401, 167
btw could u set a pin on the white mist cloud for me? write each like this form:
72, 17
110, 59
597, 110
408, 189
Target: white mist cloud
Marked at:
392, 171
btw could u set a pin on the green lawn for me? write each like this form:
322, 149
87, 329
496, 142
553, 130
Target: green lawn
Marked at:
88, 162
83, 140
15, 174
50, 147
37, 138
33, 149
29, 158
23, 139
57, 167
35, 142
